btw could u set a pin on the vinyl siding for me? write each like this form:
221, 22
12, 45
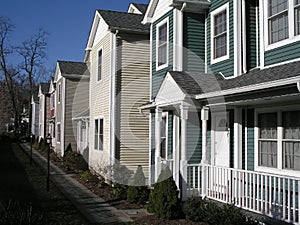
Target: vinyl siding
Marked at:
99, 102
283, 53
194, 42
251, 40
226, 67
250, 139
70, 126
133, 91
158, 76
194, 138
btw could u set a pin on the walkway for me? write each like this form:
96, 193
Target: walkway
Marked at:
93, 208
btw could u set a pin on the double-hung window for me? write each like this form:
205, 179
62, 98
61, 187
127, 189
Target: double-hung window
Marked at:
58, 132
291, 140
59, 93
282, 22
279, 140
100, 53
162, 42
163, 136
220, 34
278, 20
98, 134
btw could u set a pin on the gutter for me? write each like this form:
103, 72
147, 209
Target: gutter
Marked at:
249, 88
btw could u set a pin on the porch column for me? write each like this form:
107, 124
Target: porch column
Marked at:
158, 119
183, 162
238, 138
204, 119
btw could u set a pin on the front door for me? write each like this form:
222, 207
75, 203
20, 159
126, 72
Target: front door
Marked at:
221, 153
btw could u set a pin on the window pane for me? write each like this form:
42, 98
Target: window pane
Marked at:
297, 20
96, 134
277, 6
279, 28
99, 65
267, 123
101, 142
220, 46
291, 124
162, 45
268, 153
163, 33
220, 34
291, 151
220, 23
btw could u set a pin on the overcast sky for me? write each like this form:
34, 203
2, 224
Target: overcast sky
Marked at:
68, 23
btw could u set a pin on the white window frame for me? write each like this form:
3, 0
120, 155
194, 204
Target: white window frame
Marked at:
98, 149
292, 37
97, 78
280, 131
161, 23
212, 33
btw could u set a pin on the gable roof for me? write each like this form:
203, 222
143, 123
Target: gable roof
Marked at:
73, 68
124, 21
141, 7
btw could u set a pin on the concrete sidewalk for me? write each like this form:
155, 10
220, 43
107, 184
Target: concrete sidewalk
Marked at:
93, 208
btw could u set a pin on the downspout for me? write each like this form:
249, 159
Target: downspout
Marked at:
244, 36
113, 97
183, 7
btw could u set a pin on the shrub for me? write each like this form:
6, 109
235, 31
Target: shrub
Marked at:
74, 161
42, 144
119, 191
138, 192
163, 200
199, 210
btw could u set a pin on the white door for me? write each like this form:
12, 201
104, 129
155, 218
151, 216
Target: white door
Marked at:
221, 153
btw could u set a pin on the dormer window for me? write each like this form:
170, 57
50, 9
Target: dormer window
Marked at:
162, 43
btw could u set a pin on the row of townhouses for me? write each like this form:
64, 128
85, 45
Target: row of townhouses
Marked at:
210, 89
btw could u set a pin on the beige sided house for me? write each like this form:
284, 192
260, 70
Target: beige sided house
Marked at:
118, 52
72, 85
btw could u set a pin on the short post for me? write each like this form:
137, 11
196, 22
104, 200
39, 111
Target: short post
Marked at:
31, 136
49, 139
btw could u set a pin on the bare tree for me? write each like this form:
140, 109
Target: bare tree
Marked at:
33, 54
8, 71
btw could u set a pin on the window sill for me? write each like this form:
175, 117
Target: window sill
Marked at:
276, 171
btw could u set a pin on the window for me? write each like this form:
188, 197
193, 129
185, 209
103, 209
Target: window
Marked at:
291, 140
279, 135
162, 40
100, 65
297, 17
220, 34
282, 22
98, 144
163, 136
267, 124
278, 20
59, 93
58, 132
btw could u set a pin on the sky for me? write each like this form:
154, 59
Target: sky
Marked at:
68, 23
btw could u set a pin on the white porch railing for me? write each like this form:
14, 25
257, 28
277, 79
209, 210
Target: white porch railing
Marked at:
268, 194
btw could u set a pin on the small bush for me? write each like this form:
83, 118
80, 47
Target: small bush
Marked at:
199, 210
74, 161
42, 144
138, 192
119, 191
163, 200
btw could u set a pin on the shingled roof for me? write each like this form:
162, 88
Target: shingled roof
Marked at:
73, 68
199, 83
141, 7
124, 21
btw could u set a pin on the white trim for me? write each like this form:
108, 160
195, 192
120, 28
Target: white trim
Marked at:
237, 35
282, 63
212, 15
63, 119
151, 61
250, 88
178, 40
261, 33
166, 20
244, 37
97, 77
205, 50
246, 138
150, 151
132, 6
237, 138
279, 170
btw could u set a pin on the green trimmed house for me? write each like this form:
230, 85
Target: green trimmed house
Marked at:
225, 101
